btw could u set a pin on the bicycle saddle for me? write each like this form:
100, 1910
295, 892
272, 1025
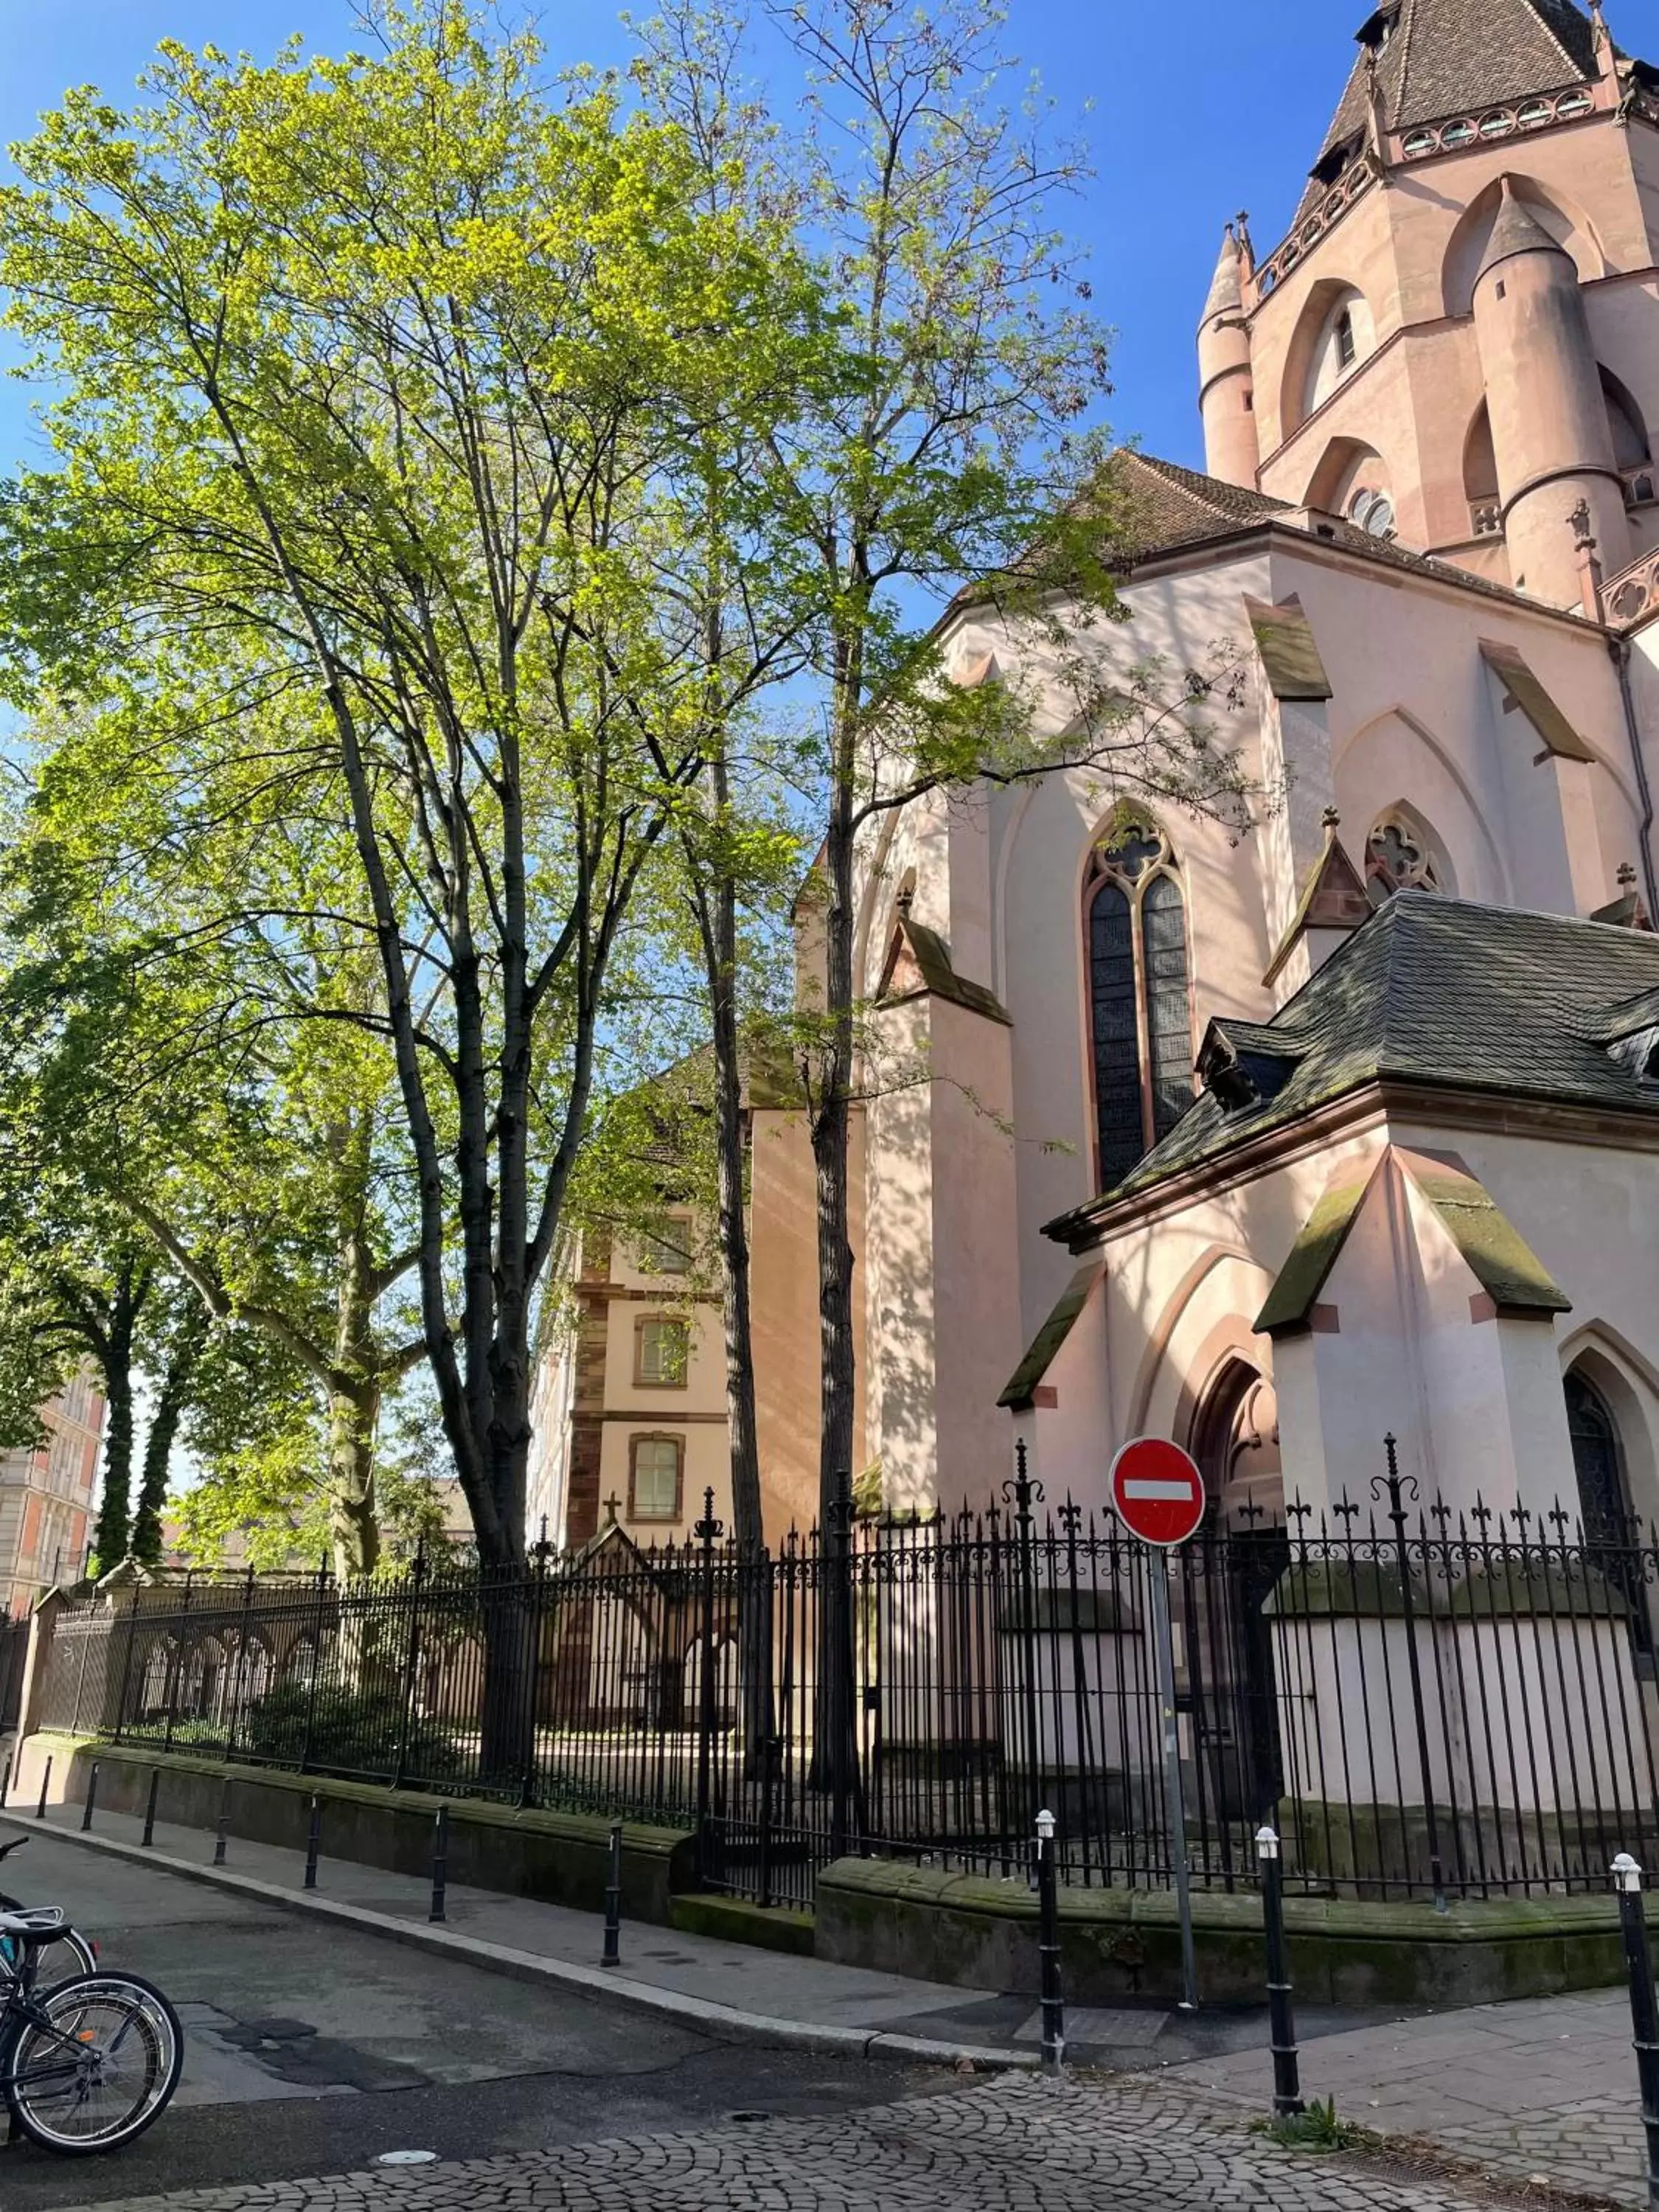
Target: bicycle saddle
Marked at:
41, 1920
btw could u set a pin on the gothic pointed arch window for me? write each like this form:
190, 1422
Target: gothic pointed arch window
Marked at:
1140, 1013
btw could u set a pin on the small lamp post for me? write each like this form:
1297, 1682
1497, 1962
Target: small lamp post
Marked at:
1644, 2012
1054, 2004
1287, 2085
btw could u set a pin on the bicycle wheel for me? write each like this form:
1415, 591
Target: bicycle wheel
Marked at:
95, 2065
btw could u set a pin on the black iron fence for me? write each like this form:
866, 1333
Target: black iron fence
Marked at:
1422, 1701
14, 1657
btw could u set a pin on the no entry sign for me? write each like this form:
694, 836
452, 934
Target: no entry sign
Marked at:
1157, 1491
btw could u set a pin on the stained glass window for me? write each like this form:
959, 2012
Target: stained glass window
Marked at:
1169, 1023
1116, 1034
1140, 1022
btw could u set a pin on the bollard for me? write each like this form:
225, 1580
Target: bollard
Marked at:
5, 1783
1054, 2003
1288, 2084
1644, 2012
147, 1840
613, 1898
222, 1834
45, 1784
88, 1808
313, 1842
439, 1867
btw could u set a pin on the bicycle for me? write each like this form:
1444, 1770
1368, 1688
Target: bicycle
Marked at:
90, 2065
84, 1954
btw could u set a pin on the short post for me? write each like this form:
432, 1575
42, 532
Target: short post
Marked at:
439, 1867
1053, 2003
90, 1807
5, 1783
613, 1898
1288, 2084
148, 1839
222, 1832
1644, 2014
45, 1784
313, 1842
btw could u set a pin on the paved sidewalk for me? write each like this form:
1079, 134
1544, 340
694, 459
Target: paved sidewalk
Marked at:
1540, 2089
1020, 2145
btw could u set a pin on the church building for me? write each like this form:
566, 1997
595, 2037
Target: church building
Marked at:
1274, 1139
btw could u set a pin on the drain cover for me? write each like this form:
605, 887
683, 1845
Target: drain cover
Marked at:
406, 2158
747, 2119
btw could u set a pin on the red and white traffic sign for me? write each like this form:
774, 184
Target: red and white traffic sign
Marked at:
1157, 1491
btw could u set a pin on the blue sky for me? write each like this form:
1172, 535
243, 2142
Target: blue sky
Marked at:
1196, 112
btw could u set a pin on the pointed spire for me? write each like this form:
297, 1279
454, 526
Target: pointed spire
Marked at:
1227, 285
1515, 230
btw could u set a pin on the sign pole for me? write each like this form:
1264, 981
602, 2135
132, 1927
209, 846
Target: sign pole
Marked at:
1157, 1583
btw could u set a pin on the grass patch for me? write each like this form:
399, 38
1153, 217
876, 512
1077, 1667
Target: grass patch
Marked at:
1317, 2129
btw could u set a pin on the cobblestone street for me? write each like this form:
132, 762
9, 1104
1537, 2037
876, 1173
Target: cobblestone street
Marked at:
1018, 2145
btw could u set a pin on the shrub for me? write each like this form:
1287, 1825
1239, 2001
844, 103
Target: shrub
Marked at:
347, 1730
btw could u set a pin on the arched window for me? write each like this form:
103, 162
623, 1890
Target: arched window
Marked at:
1141, 1021
1611, 1535
1399, 857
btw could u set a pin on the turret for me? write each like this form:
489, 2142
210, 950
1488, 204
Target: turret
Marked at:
1226, 394
1550, 434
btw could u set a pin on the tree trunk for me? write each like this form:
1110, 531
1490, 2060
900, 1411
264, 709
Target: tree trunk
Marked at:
717, 919
353, 1525
174, 1395
835, 1767
115, 1358
831, 1122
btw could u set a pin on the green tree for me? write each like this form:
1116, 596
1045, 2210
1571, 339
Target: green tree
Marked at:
953, 454
374, 371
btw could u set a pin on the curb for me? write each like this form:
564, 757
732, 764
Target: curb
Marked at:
727, 2021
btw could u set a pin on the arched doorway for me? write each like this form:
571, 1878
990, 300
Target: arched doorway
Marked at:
1612, 1538
1235, 1440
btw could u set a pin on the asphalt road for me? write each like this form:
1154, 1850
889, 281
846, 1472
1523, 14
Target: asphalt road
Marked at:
313, 2049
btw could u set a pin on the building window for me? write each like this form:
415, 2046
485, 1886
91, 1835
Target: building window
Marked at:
669, 1254
655, 1466
1397, 859
1346, 349
1612, 1535
1140, 1019
661, 1353
1372, 511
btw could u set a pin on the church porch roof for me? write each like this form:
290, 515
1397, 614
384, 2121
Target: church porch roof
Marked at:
1432, 991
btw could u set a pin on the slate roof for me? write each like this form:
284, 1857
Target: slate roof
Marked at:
1156, 507
1436, 991
1448, 55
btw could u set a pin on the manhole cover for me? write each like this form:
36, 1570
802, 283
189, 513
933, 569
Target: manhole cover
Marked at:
406, 2158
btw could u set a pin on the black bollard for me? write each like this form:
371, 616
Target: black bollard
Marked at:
613, 1898
90, 1807
440, 1911
1053, 2003
45, 1784
148, 1838
1287, 2082
1644, 2011
313, 1842
5, 1783
222, 1834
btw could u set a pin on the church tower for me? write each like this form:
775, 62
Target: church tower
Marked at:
1226, 383
1551, 436
1456, 343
